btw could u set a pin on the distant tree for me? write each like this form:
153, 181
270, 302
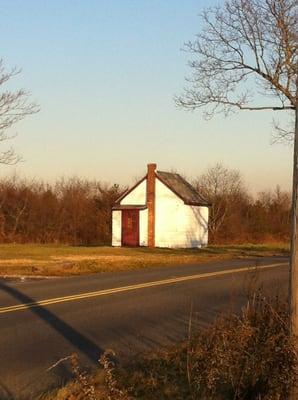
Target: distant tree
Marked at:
71, 211
247, 47
14, 106
222, 187
269, 216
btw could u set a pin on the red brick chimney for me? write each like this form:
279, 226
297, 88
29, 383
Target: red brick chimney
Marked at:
151, 168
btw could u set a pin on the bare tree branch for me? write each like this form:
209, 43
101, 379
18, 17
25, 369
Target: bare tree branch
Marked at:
282, 135
14, 106
244, 44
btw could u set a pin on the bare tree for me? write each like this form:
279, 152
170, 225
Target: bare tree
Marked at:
244, 40
14, 106
249, 47
222, 187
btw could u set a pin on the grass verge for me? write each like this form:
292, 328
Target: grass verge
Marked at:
53, 260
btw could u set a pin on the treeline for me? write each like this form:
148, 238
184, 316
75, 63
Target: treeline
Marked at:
236, 216
73, 211
78, 212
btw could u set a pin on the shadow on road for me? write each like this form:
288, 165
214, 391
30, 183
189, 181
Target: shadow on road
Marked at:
80, 342
152, 323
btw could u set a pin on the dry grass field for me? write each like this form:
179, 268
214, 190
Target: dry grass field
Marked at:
57, 260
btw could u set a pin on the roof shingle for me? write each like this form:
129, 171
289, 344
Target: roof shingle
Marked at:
181, 188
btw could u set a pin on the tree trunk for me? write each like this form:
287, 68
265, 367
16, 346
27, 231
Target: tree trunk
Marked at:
293, 289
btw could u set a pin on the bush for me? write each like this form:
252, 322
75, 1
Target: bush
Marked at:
250, 356
239, 357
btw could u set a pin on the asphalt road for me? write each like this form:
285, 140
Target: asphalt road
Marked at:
130, 312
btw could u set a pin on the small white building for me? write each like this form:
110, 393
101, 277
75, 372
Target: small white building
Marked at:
161, 210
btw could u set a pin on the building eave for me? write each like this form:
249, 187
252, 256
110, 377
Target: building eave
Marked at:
188, 203
129, 207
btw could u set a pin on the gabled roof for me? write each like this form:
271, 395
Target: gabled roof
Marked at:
181, 188
175, 183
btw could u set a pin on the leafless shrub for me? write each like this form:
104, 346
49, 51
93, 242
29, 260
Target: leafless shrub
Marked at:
108, 364
248, 356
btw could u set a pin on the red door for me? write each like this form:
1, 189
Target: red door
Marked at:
130, 227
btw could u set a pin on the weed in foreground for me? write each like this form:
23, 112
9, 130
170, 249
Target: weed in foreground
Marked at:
239, 357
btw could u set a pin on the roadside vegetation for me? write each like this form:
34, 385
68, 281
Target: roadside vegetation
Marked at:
77, 212
65, 228
245, 356
53, 260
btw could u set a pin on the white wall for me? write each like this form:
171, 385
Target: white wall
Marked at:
143, 227
197, 226
116, 228
137, 196
176, 224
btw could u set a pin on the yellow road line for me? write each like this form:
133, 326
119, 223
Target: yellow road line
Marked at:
106, 292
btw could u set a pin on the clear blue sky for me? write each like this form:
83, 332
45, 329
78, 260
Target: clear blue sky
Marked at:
104, 73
